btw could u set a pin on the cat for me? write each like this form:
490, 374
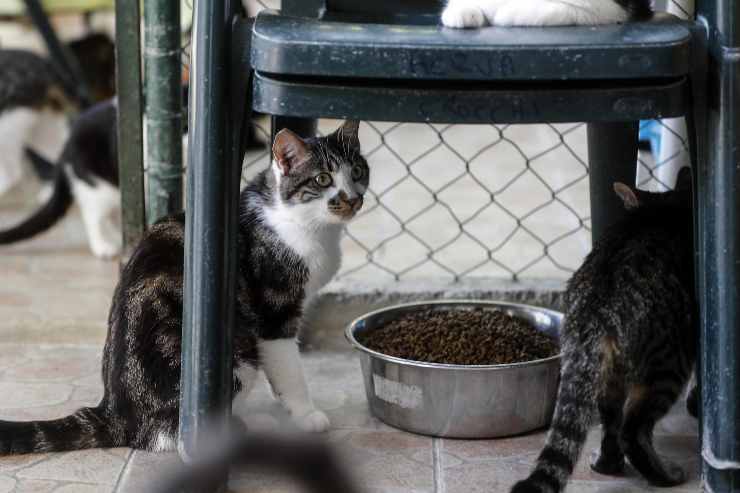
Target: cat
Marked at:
630, 336
291, 217
36, 100
87, 172
479, 13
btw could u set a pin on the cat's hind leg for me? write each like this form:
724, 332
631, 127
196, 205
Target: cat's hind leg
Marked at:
610, 402
647, 404
692, 401
16, 126
610, 457
98, 201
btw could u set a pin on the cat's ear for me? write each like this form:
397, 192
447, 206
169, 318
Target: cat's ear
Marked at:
627, 195
289, 151
348, 134
683, 181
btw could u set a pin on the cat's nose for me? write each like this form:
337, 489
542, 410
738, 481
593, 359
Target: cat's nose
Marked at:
355, 203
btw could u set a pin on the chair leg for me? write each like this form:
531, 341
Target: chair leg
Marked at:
210, 239
719, 225
612, 157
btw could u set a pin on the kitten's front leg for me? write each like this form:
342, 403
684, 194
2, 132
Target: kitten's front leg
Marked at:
282, 365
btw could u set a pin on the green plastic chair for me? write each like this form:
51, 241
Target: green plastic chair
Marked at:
387, 60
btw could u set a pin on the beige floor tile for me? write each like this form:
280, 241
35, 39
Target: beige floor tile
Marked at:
86, 466
27, 395
145, 467
7, 484
36, 486
84, 488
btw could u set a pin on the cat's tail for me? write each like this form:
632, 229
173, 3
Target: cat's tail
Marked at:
570, 424
89, 427
45, 170
50, 213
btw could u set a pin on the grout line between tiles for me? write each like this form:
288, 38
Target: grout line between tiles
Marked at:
117, 484
439, 480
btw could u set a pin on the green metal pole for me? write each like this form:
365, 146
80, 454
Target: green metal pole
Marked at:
163, 113
130, 143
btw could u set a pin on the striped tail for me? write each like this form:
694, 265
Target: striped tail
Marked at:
87, 428
575, 406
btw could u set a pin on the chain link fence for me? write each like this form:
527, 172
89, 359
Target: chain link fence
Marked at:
468, 201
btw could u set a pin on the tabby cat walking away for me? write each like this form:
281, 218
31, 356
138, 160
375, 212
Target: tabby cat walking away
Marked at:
291, 218
630, 336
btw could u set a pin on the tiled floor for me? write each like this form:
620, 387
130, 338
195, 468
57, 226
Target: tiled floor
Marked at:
54, 299
46, 381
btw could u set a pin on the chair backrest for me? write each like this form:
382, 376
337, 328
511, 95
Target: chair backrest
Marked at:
377, 10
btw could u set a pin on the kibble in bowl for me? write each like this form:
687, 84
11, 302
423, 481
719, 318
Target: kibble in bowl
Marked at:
476, 336
460, 369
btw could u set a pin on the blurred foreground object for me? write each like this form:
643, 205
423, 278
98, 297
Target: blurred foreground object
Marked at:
307, 459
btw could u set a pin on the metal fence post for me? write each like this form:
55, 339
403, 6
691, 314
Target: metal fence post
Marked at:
719, 218
163, 107
130, 152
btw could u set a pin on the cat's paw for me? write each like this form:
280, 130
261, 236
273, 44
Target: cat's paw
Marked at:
671, 474
604, 464
460, 15
314, 421
105, 249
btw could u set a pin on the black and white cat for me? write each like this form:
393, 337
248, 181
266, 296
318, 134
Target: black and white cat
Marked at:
36, 101
478, 13
87, 172
291, 217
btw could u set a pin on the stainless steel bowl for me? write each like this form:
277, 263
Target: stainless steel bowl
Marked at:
459, 401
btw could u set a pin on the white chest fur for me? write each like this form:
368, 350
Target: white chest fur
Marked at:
316, 245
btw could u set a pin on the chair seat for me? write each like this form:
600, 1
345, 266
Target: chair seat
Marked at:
657, 48
424, 101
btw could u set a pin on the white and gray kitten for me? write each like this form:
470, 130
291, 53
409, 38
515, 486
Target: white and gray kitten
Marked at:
479, 13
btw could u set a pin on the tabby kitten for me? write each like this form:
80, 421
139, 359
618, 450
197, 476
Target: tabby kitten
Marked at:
629, 337
290, 222
478, 13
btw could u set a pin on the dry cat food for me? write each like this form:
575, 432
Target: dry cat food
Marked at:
461, 337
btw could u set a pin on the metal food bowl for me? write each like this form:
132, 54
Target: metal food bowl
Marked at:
460, 401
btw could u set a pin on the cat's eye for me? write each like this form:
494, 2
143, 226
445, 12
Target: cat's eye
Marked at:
324, 180
357, 172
